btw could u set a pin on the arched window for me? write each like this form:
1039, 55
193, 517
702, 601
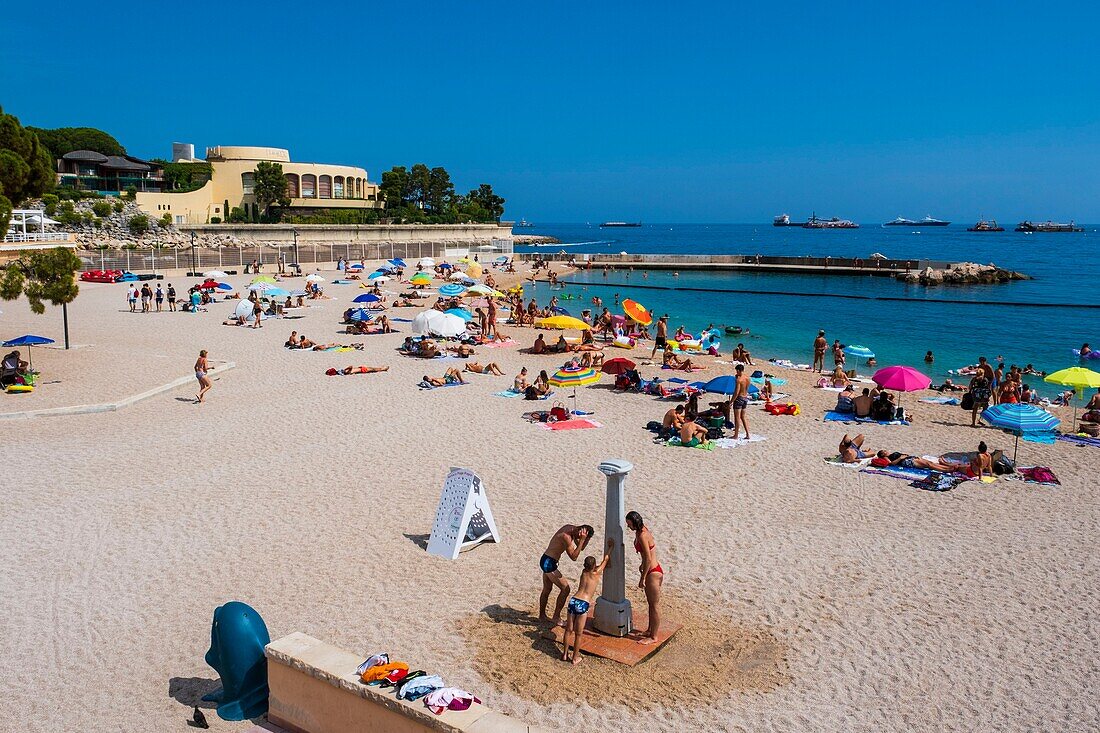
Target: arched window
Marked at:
292, 185
248, 182
358, 188
338, 187
324, 187
309, 186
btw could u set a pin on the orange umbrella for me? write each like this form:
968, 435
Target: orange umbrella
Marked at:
636, 312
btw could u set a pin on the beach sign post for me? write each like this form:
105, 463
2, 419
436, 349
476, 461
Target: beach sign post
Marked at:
613, 615
463, 518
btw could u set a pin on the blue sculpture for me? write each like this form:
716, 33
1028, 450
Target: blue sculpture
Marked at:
237, 640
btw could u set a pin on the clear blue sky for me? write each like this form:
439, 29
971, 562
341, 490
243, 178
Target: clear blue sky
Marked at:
674, 112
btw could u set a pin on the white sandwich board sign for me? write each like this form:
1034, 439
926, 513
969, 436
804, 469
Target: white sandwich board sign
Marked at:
463, 518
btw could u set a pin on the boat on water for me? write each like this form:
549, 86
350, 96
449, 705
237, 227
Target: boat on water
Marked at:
986, 226
524, 224
784, 220
621, 224
1047, 226
834, 223
927, 221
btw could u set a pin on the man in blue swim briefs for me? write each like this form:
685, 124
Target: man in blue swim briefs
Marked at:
580, 604
740, 402
570, 539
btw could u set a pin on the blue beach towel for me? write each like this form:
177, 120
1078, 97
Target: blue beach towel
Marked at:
845, 417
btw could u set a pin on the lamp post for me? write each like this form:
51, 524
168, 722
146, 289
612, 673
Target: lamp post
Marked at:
193, 269
296, 260
613, 615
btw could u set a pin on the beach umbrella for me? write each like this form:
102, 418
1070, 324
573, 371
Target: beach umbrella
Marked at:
298, 293
451, 290
446, 266
261, 287
29, 340
277, 293
574, 377
378, 276
426, 262
726, 384
243, 309
421, 278
1022, 420
618, 366
437, 323
901, 379
501, 260
859, 351
397, 262
224, 286
637, 312
460, 313
386, 270
356, 266
560, 311
474, 270
360, 314
315, 278
215, 274
480, 289
1079, 379
366, 298
562, 323
262, 279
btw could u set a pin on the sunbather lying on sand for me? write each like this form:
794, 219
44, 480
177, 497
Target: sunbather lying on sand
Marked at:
360, 370
851, 449
453, 376
326, 347
672, 361
463, 350
490, 368
907, 461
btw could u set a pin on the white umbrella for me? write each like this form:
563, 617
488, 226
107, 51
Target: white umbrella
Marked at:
458, 275
243, 309
380, 279
215, 274
427, 262
435, 323
315, 278
42, 220
260, 287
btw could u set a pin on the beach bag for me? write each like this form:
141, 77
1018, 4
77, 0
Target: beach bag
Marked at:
558, 412
967, 401
530, 394
1003, 466
900, 414
1090, 429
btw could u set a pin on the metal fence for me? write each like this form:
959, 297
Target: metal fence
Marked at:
235, 258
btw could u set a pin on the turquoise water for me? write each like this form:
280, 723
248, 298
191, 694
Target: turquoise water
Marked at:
784, 319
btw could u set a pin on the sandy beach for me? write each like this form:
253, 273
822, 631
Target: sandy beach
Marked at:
812, 597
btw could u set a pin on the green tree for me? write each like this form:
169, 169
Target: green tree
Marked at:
484, 198
270, 187
25, 168
67, 139
102, 208
394, 187
43, 275
440, 194
139, 224
419, 182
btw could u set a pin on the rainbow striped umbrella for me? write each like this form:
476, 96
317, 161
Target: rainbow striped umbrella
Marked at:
574, 377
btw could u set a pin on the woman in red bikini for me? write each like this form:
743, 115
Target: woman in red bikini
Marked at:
652, 575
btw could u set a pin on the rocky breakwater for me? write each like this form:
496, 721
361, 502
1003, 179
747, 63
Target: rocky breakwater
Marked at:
962, 273
534, 240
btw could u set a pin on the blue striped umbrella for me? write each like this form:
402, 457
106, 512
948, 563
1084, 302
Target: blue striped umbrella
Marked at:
1022, 420
461, 313
360, 314
859, 351
451, 289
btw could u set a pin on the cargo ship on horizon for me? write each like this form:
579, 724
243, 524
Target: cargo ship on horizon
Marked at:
927, 221
620, 224
784, 220
1047, 226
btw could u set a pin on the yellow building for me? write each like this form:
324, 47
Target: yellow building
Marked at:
311, 186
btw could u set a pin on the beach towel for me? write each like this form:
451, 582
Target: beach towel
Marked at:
512, 394
678, 369
909, 474
738, 442
498, 344
427, 385
936, 481
835, 461
1041, 475
940, 400
834, 416
776, 382
580, 424
677, 443
1081, 440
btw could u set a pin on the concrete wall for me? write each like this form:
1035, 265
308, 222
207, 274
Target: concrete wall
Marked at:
355, 233
314, 689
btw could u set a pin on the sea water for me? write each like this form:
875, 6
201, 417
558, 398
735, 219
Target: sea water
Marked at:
1036, 321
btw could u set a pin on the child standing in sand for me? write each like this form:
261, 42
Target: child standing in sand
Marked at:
580, 603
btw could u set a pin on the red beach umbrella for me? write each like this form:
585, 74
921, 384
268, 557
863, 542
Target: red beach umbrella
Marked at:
618, 366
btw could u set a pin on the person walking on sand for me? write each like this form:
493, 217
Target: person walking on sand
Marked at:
171, 298
131, 298
661, 339
652, 574
201, 369
159, 298
820, 344
580, 603
570, 539
740, 403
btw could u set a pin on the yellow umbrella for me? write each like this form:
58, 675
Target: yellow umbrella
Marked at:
421, 277
263, 279
562, 323
637, 312
474, 270
1077, 377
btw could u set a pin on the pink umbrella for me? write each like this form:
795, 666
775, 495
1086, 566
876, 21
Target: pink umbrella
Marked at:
901, 379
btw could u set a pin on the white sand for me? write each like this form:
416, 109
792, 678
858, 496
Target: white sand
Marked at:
813, 598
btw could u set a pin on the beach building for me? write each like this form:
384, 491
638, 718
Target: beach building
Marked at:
312, 187
88, 170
